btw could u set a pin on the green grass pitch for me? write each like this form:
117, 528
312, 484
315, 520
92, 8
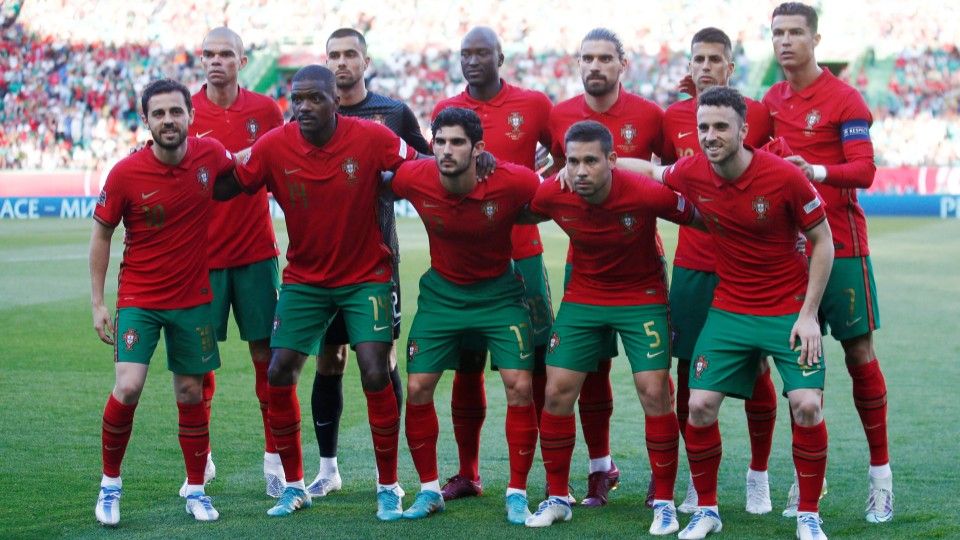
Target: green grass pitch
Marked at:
55, 375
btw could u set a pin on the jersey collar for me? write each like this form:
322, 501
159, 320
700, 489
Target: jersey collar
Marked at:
615, 110
745, 179
823, 79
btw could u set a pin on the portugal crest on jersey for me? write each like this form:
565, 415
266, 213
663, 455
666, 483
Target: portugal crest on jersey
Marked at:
351, 167
515, 121
812, 119
554, 341
700, 366
761, 205
253, 128
412, 349
130, 339
203, 177
489, 209
628, 222
628, 132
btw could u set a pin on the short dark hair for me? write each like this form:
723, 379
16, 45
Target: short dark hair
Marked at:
713, 35
316, 72
798, 8
163, 86
724, 96
586, 131
456, 116
349, 32
605, 34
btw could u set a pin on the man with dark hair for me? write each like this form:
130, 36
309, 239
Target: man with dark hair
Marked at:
162, 194
244, 272
634, 123
470, 288
617, 283
319, 157
347, 59
514, 122
827, 123
694, 265
754, 205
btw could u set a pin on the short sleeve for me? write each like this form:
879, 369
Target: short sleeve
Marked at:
803, 201
393, 150
112, 200
540, 203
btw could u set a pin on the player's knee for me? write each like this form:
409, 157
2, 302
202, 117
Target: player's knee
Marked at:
559, 399
127, 391
806, 408
655, 398
859, 350
703, 411
519, 391
418, 391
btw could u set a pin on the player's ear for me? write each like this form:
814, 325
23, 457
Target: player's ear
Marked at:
612, 158
243, 60
193, 113
478, 148
816, 39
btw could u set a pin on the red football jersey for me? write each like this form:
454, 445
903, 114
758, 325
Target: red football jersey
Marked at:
615, 257
754, 222
514, 121
469, 234
828, 123
633, 121
165, 210
329, 199
680, 139
241, 231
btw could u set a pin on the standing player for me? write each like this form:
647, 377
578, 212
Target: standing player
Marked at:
347, 58
826, 122
694, 266
470, 288
754, 206
162, 193
634, 123
514, 120
617, 283
337, 261
244, 273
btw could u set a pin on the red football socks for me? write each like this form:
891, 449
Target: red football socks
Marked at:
870, 398
663, 445
558, 434
283, 414
423, 429
384, 418
194, 438
263, 396
596, 408
468, 407
704, 451
761, 411
115, 434
810, 460
521, 428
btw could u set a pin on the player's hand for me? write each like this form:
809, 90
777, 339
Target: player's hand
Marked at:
103, 324
806, 339
486, 164
243, 156
565, 183
687, 86
804, 166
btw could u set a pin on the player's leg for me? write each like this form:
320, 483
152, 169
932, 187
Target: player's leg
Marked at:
191, 353
423, 428
596, 408
536, 294
326, 403
468, 410
645, 335
570, 357
301, 318
137, 334
368, 312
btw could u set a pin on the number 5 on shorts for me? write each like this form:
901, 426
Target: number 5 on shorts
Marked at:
648, 329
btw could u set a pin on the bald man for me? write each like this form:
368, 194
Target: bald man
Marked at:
244, 273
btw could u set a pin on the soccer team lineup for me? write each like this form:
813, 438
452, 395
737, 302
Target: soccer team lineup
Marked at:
772, 261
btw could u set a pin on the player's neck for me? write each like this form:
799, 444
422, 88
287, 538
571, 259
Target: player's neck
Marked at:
602, 103
731, 169
601, 194
322, 136
223, 96
169, 156
353, 95
485, 92
803, 76
461, 184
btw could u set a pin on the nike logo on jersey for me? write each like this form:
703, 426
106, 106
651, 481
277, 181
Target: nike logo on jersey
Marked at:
204, 134
654, 355
146, 196
853, 322
430, 205
683, 134
288, 172
701, 198
809, 373
566, 219
774, 113
377, 328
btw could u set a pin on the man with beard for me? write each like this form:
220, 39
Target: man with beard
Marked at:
514, 121
634, 123
162, 194
336, 261
347, 58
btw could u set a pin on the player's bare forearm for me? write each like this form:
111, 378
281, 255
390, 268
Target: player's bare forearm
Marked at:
99, 261
641, 166
821, 262
226, 186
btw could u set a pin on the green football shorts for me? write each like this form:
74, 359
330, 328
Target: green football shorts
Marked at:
608, 346
849, 304
187, 334
252, 292
691, 293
